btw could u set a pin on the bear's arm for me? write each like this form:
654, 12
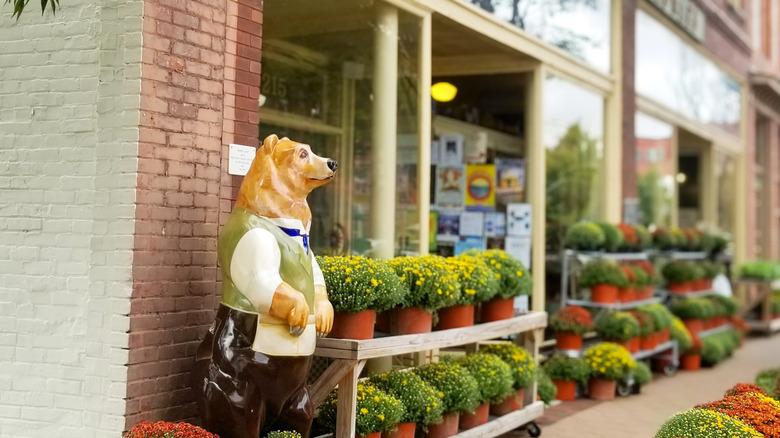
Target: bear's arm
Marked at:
319, 279
254, 268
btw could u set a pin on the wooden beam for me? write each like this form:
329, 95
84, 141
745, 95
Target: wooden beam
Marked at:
329, 379
468, 65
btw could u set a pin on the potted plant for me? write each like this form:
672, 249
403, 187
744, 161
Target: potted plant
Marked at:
702, 423
662, 319
693, 239
644, 237
164, 429
585, 236
693, 312
376, 411
495, 381
713, 350
619, 327
627, 294
645, 278
478, 283
613, 238
283, 434
603, 278
545, 387
565, 373
647, 330
515, 280
432, 285
760, 270
711, 270
642, 374
523, 367
608, 362
357, 288
569, 324
678, 275
458, 389
422, 401
630, 238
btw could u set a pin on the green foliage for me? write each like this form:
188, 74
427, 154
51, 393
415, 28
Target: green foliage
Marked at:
609, 361
642, 374
602, 272
423, 404
760, 269
545, 387
717, 347
562, 367
477, 280
769, 381
644, 236
693, 308
679, 271
431, 281
725, 306
704, 423
645, 320
19, 6
376, 411
711, 269
585, 236
641, 278
457, 387
515, 279
519, 359
493, 375
357, 283
613, 238
617, 326
680, 333
283, 434
662, 317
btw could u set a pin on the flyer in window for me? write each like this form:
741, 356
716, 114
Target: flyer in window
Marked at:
448, 226
450, 185
472, 223
510, 180
480, 187
467, 243
451, 149
495, 224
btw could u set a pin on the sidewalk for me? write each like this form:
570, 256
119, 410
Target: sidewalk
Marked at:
641, 415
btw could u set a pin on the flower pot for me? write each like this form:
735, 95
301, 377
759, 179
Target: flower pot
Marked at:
664, 335
383, 321
447, 427
678, 288
568, 341
358, 325
407, 321
690, 361
694, 326
478, 418
403, 430
498, 309
648, 292
648, 342
604, 293
512, 403
456, 316
632, 345
626, 295
601, 389
567, 389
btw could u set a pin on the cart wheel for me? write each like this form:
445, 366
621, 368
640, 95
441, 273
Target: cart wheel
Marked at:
670, 370
533, 429
624, 389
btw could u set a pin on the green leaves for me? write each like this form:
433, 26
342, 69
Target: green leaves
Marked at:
19, 6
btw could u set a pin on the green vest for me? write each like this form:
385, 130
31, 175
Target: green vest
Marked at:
295, 268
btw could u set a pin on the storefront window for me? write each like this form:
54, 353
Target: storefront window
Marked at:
654, 170
725, 173
674, 74
317, 87
574, 140
580, 27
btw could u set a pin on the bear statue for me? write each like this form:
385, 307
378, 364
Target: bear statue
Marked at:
250, 370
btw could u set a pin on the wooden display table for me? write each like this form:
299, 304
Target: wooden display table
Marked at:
763, 298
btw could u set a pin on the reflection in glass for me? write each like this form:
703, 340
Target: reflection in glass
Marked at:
574, 139
725, 173
654, 170
317, 84
673, 73
581, 27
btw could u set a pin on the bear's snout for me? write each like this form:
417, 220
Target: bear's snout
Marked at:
333, 165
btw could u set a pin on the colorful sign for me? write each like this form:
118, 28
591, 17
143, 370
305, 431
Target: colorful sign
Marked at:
480, 187
450, 185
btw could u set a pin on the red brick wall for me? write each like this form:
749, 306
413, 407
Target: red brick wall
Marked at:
200, 64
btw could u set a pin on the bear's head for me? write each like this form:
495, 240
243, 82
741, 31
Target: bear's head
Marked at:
281, 176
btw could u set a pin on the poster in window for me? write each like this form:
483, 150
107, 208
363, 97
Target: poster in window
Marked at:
468, 242
520, 248
476, 147
495, 224
472, 223
448, 226
518, 220
451, 149
480, 187
510, 180
450, 185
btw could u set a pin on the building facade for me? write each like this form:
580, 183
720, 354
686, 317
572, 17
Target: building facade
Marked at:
117, 120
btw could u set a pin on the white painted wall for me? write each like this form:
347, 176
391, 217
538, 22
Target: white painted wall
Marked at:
69, 98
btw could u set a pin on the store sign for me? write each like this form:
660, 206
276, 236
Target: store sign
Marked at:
686, 14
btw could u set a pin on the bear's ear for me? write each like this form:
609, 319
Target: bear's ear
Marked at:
269, 143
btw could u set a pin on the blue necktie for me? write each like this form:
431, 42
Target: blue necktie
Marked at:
294, 232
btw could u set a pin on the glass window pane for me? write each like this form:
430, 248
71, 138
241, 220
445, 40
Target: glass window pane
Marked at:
654, 170
672, 73
317, 88
574, 140
581, 27
725, 173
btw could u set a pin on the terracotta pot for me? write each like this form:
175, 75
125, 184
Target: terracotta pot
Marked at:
678, 288
478, 418
664, 335
626, 295
456, 316
407, 321
604, 293
690, 361
447, 427
498, 309
648, 342
601, 389
403, 430
648, 292
567, 390
694, 326
383, 321
372, 435
568, 341
359, 325
510, 404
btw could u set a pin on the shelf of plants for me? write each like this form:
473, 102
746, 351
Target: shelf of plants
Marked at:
615, 306
714, 331
670, 346
683, 255
692, 294
761, 275
350, 356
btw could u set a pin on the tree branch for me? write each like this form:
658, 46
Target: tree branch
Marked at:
19, 6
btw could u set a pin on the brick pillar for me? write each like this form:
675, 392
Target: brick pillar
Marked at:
629, 100
750, 192
772, 199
